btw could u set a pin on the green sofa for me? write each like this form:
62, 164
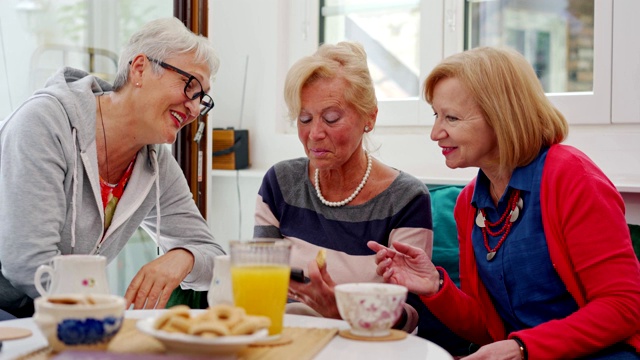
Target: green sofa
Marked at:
445, 235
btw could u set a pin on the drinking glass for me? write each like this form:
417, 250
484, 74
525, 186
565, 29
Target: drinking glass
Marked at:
260, 278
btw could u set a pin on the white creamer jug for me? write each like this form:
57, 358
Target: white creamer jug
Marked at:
74, 274
220, 291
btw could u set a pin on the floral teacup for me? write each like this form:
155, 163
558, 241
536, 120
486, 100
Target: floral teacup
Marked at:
371, 309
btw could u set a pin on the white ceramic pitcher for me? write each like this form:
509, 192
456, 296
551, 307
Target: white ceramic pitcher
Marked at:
74, 274
220, 291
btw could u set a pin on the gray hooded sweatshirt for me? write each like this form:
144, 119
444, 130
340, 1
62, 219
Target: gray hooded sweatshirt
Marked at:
50, 200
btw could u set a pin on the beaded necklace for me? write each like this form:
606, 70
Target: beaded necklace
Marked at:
352, 196
510, 215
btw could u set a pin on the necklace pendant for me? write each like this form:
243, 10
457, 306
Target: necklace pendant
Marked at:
479, 219
515, 213
491, 255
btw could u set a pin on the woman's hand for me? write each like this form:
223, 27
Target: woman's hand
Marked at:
406, 265
153, 284
318, 293
502, 350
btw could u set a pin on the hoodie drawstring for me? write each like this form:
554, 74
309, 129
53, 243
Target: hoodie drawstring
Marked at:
75, 191
154, 159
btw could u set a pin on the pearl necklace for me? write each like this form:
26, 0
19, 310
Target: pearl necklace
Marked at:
355, 193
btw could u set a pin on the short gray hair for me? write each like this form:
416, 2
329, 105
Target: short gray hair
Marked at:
161, 39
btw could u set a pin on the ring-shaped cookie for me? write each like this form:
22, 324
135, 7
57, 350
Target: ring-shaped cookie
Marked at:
178, 310
210, 327
177, 323
226, 314
250, 324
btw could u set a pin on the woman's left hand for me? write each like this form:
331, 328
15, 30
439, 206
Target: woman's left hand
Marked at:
408, 266
153, 284
318, 293
503, 350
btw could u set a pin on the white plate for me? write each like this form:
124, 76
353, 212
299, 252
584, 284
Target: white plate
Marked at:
191, 344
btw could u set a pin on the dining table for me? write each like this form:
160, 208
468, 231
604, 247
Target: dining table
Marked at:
410, 347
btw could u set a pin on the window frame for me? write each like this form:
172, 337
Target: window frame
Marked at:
625, 91
448, 18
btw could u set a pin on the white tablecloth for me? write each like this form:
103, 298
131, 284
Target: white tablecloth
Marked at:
339, 348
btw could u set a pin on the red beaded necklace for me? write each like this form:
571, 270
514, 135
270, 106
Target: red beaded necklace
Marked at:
505, 222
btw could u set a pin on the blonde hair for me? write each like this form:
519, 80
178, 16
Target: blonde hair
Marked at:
511, 99
346, 60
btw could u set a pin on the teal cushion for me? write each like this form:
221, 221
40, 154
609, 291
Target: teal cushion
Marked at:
445, 235
635, 238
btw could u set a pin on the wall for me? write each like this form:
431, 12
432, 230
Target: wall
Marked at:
237, 33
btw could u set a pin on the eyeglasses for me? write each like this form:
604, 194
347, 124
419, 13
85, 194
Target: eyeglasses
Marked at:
192, 89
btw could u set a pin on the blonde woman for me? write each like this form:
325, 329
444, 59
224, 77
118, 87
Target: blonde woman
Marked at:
340, 196
547, 269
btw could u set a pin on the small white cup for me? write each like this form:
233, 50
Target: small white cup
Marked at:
74, 274
220, 291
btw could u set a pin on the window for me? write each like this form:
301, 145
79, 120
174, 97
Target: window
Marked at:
625, 92
566, 41
37, 37
389, 30
540, 33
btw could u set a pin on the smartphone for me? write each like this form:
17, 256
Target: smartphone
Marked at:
297, 275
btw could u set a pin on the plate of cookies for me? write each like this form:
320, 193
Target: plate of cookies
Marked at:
220, 329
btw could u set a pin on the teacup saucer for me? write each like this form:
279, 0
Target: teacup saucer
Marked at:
273, 340
392, 336
13, 333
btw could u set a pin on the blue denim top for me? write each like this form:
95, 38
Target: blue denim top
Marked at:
520, 279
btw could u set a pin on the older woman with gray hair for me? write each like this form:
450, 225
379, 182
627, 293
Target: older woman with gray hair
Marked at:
339, 196
80, 169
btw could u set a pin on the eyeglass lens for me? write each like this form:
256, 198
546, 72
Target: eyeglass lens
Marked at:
206, 104
193, 90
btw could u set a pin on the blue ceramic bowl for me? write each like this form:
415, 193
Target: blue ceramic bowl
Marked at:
88, 331
80, 326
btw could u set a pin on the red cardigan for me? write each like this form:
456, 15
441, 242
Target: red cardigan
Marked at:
590, 247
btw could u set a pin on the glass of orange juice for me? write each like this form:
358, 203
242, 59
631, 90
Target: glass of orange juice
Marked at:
260, 278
